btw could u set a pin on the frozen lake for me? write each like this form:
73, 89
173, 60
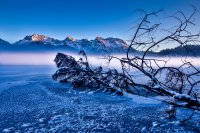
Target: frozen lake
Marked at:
32, 102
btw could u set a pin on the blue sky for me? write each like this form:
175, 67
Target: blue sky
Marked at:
78, 18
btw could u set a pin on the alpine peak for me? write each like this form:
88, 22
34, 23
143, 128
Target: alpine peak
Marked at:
70, 39
36, 37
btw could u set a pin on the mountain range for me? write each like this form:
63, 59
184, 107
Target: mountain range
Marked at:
38, 42
42, 42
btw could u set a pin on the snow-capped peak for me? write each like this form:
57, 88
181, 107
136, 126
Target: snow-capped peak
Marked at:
36, 38
99, 38
69, 38
112, 43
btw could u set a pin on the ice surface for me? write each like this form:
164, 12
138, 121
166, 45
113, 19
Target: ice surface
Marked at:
142, 100
32, 102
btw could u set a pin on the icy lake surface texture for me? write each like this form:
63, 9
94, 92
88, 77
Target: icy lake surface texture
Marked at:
32, 102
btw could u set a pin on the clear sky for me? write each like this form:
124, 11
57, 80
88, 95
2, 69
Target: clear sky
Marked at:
78, 18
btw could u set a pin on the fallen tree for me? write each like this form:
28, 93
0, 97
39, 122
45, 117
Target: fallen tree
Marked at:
176, 83
80, 75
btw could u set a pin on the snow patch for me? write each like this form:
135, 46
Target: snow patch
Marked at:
6, 130
26, 125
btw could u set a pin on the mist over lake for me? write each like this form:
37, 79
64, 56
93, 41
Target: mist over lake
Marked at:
47, 58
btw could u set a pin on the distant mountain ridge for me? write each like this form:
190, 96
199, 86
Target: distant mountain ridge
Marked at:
189, 50
2, 42
99, 44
